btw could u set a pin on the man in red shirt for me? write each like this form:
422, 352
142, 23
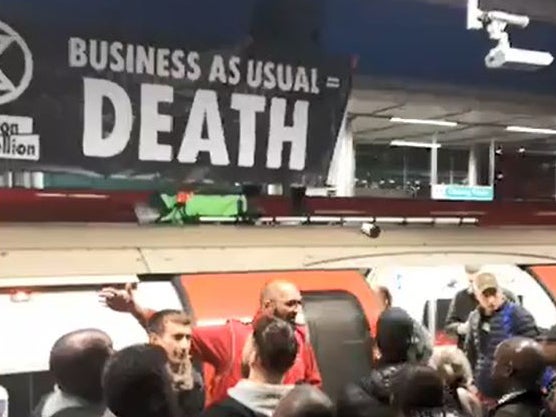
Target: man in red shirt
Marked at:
222, 346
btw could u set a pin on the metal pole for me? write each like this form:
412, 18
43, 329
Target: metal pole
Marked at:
491, 162
432, 317
404, 172
434, 162
6, 179
451, 169
472, 166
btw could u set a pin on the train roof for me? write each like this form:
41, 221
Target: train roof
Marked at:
97, 249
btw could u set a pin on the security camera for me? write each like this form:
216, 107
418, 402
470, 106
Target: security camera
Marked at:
505, 57
506, 18
371, 230
477, 19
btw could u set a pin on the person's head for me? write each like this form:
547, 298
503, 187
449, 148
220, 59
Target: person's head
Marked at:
488, 293
77, 360
305, 401
394, 335
415, 388
137, 383
385, 298
271, 350
548, 344
281, 299
472, 271
518, 364
452, 365
171, 330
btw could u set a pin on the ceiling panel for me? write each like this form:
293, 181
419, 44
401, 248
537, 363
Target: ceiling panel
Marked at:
423, 111
485, 134
402, 131
473, 133
483, 117
360, 123
358, 106
543, 122
514, 136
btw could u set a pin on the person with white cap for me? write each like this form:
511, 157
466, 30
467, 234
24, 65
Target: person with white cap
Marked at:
495, 320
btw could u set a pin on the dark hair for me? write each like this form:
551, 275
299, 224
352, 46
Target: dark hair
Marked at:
157, 323
137, 383
386, 294
77, 360
417, 387
394, 335
276, 344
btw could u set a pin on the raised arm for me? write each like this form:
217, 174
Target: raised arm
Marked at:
124, 301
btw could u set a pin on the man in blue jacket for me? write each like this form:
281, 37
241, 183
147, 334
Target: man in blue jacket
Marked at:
493, 321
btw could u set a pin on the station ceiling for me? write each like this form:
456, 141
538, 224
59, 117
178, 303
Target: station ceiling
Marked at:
478, 120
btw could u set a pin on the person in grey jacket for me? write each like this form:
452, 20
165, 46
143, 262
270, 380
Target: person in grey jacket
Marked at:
495, 320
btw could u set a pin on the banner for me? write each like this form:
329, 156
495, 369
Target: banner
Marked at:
78, 95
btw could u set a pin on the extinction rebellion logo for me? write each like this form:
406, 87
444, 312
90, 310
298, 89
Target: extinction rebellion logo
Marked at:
17, 140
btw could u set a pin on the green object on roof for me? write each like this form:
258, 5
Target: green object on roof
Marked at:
174, 211
216, 205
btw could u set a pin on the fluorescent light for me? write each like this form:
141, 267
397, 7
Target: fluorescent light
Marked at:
523, 129
429, 145
423, 122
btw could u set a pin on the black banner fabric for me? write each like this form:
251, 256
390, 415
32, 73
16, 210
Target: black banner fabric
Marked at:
77, 98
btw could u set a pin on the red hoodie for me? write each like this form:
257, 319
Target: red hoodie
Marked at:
222, 347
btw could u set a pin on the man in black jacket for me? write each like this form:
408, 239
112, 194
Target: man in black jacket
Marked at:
463, 303
518, 366
396, 342
494, 321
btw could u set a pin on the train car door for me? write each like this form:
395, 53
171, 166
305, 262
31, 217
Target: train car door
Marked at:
340, 337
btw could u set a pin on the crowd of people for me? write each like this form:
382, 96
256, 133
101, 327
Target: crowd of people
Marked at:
501, 367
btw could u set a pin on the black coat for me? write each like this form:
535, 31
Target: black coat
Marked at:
370, 393
191, 403
527, 404
229, 408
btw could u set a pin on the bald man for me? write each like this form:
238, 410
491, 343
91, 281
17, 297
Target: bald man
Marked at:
76, 363
305, 401
222, 346
518, 366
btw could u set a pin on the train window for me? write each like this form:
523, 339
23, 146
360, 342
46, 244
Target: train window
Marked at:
37, 320
442, 306
340, 336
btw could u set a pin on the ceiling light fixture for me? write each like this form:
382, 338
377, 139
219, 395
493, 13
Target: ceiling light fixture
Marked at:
428, 145
429, 122
524, 129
